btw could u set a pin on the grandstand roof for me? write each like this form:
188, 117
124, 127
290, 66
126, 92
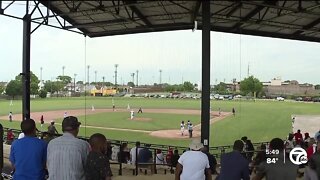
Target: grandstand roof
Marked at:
299, 20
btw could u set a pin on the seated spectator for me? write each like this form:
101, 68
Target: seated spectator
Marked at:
261, 155
310, 171
10, 137
160, 158
124, 154
145, 155
317, 136
175, 157
134, 152
280, 170
115, 152
316, 158
289, 143
212, 160
312, 147
52, 129
47, 137
109, 150
169, 157
28, 155
67, 155
193, 165
97, 164
298, 136
250, 150
234, 165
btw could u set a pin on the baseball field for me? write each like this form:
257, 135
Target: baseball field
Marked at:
160, 121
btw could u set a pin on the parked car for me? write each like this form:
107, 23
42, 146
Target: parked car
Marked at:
308, 99
316, 99
299, 99
280, 98
220, 98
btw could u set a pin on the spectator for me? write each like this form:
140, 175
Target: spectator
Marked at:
124, 154
109, 150
145, 155
310, 171
193, 165
174, 158
280, 170
47, 137
10, 137
316, 158
261, 155
97, 165
212, 160
28, 155
169, 156
67, 154
312, 147
250, 150
134, 152
289, 144
160, 158
234, 165
52, 129
298, 136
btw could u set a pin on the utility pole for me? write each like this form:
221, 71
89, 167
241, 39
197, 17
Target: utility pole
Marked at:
137, 72
115, 74
248, 69
103, 80
160, 71
63, 67
88, 75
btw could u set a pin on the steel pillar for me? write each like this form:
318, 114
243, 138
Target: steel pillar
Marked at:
26, 67
205, 93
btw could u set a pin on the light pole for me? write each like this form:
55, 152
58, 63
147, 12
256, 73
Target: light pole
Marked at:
41, 83
95, 76
137, 72
88, 72
160, 71
115, 74
132, 75
103, 81
74, 83
63, 67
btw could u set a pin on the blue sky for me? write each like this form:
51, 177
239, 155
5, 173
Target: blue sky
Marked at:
177, 54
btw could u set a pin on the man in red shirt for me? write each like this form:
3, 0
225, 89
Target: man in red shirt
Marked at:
298, 137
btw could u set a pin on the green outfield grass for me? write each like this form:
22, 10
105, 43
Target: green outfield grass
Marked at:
260, 120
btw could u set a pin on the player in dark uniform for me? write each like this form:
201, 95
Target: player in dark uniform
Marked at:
140, 110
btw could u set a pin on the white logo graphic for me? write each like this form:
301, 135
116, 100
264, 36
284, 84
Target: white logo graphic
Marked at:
298, 156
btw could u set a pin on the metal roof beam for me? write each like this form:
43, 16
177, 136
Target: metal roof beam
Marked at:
96, 24
308, 26
138, 13
234, 9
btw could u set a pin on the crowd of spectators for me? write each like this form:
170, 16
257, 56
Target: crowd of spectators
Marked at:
68, 157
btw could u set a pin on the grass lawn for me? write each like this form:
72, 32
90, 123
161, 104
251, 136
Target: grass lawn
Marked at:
260, 120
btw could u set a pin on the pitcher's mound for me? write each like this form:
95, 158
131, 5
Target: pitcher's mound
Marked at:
140, 119
174, 134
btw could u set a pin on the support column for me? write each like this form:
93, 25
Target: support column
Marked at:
205, 93
26, 67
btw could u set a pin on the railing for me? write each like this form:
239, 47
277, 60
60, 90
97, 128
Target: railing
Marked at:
216, 151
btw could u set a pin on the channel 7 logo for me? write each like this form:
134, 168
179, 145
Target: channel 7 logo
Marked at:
298, 156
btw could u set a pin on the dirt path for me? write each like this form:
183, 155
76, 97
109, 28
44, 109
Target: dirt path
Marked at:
58, 114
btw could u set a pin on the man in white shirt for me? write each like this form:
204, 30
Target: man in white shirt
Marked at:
67, 155
194, 164
133, 153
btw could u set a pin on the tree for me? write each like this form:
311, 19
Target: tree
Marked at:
2, 88
64, 79
34, 83
43, 93
131, 84
14, 88
80, 82
188, 86
317, 86
220, 88
251, 85
52, 87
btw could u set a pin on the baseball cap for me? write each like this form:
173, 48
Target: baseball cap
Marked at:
70, 123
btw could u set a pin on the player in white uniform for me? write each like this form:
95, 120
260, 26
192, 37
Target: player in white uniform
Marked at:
131, 114
182, 127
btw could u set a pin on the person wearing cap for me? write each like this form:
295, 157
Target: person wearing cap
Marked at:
29, 154
52, 129
233, 164
67, 154
193, 164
